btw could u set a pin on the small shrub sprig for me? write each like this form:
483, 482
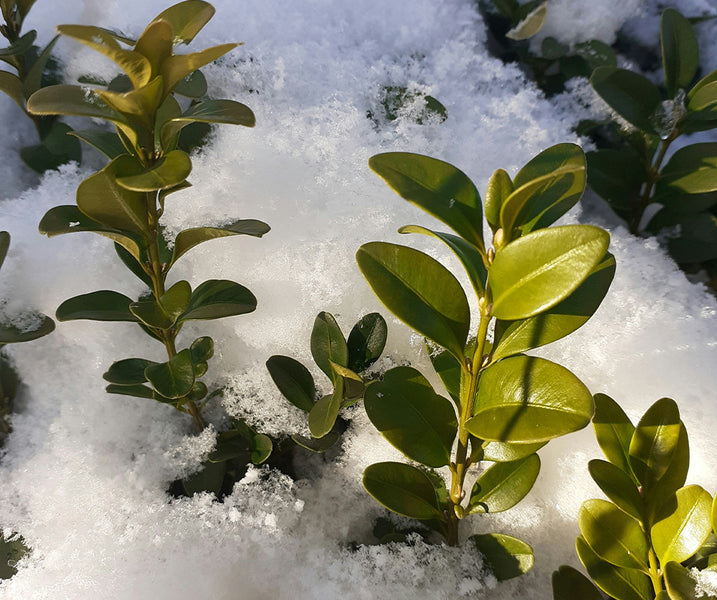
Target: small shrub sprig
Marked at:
639, 544
635, 174
31, 64
343, 361
535, 285
126, 199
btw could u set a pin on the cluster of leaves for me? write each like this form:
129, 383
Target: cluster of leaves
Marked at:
639, 544
536, 285
34, 68
125, 200
343, 361
631, 175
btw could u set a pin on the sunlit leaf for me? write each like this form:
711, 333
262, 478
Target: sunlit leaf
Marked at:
137, 105
156, 44
328, 344
171, 171
613, 431
325, 411
503, 452
506, 556
366, 341
500, 187
530, 25
503, 485
177, 67
618, 486
692, 169
187, 19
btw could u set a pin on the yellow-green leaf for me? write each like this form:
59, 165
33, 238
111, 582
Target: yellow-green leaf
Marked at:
156, 44
11, 85
177, 67
187, 19
172, 170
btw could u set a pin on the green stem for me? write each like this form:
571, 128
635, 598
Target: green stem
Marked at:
655, 576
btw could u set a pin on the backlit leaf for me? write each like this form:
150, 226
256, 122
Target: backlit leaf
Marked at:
366, 341
618, 486
662, 493
328, 344
500, 187
613, 431
571, 584
506, 556
692, 169
503, 485
172, 379
502, 452
524, 399
680, 583
187, 19
680, 52
218, 298
293, 380
137, 106
177, 67
530, 25
156, 44
323, 414
188, 238
104, 305
172, 170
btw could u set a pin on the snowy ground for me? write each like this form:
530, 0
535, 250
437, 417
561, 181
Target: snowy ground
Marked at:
84, 475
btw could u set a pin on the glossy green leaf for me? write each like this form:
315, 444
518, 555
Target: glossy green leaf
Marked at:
228, 112
402, 489
702, 98
187, 19
172, 379
503, 485
617, 582
172, 170
164, 314
136, 66
353, 386
617, 176
129, 371
72, 100
448, 369
156, 44
202, 349
137, 106
634, 97
366, 341
328, 344
506, 556
178, 66
571, 584
218, 298
133, 264
41, 326
470, 258
692, 169
613, 431
293, 380
193, 85
524, 399
500, 187
613, 535
11, 85
680, 532
654, 441
106, 142
680, 52
419, 291
618, 486
189, 238
514, 337
325, 411
136, 391
104, 305
662, 493
412, 417
4, 245
437, 187
680, 583
544, 189
502, 452
539, 270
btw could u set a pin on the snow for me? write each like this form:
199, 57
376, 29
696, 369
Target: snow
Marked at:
84, 474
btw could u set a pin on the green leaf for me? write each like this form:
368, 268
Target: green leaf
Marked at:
324, 412
152, 314
681, 531
217, 298
654, 441
530, 25
503, 485
448, 369
4, 245
10, 334
328, 344
692, 169
698, 239
571, 584
537, 271
613, 535
317, 444
437, 187
353, 386
596, 54
193, 85
209, 479
634, 97
680, 52
617, 582
470, 258
227, 112
56, 148
104, 305
680, 584
136, 391
106, 142
33, 79
419, 291
617, 176
129, 371
177, 67
524, 399
402, 489
500, 187
155, 44
544, 189
172, 379
662, 494
514, 337
366, 341
502, 452
11, 85
714, 514
187, 19
613, 431
20, 46
293, 380
72, 100
412, 417
506, 556
136, 66
171, 171
189, 238
202, 349
702, 98
618, 486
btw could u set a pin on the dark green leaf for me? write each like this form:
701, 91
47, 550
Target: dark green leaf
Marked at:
209, 479
129, 371
20, 46
4, 245
227, 112
173, 379
56, 148
552, 49
500, 187
11, 551
171, 171
698, 239
11, 85
634, 97
617, 176
328, 344
524, 399
293, 380
106, 142
33, 79
571, 584
137, 391
193, 85
202, 349
324, 412
539, 270
217, 298
104, 305
449, 371
133, 265
402, 489
437, 187
613, 431
419, 291
187, 239
506, 556
692, 169
10, 334
366, 341
618, 486
412, 417
680, 52
503, 485
317, 444
596, 54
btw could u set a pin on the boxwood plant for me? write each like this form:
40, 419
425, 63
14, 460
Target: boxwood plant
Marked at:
125, 200
641, 542
536, 284
343, 361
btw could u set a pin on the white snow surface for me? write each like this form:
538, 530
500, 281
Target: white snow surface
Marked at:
84, 475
